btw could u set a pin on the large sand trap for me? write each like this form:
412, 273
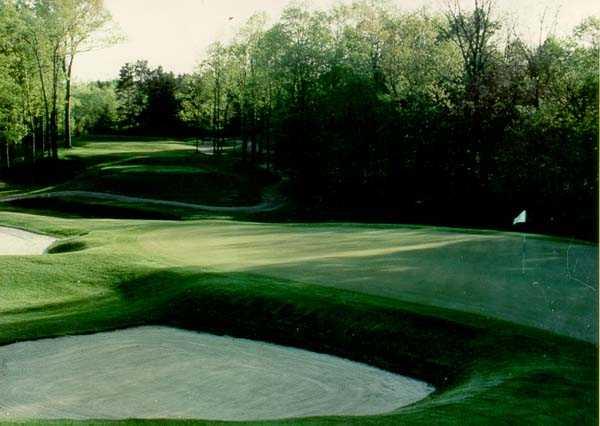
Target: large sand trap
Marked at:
17, 242
159, 372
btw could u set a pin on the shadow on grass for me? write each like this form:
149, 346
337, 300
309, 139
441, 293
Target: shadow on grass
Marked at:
359, 327
67, 247
93, 209
485, 371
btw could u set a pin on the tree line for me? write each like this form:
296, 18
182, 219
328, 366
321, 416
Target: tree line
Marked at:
438, 116
39, 41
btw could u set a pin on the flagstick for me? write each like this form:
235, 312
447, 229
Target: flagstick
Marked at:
522, 218
523, 252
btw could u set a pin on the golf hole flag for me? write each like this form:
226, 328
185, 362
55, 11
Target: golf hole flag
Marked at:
522, 218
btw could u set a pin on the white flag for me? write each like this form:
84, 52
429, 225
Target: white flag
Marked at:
522, 218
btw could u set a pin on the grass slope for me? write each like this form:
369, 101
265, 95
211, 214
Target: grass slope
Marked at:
167, 170
486, 371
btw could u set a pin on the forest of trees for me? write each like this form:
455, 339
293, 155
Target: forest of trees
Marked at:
435, 117
39, 41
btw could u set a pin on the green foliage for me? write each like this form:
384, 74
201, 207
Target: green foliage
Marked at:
39, 42
193, 96
94, 108
359, 105
366, 105
148, 101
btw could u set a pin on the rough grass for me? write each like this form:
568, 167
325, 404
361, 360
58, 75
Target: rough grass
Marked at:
486, 370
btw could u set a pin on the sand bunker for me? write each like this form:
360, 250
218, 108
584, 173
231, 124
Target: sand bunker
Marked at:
159, 372
15, 242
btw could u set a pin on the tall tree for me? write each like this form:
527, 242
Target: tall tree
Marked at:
473, 32
11, 111
86, 26
214, 69
193, 97
131, 94
245, 80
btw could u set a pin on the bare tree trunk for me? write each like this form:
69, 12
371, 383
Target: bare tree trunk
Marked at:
54, 135
253, 136
5, 155
54, 113
33, 140
225, 119
244, 132
244, 147
269, 125
46, 118
67, 131
44, 128
253, 149
215, 120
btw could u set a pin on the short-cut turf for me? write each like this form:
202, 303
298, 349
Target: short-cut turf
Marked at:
486, 370
167, 170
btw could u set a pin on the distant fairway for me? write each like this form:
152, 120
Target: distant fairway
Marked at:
168, 170
160, 170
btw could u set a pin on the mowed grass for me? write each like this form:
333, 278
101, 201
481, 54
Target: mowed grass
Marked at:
165, 170
536, 281
271, 282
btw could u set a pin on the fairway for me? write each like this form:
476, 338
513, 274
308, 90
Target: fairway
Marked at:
155, 372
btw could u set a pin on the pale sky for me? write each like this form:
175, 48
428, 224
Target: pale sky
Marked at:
174, 33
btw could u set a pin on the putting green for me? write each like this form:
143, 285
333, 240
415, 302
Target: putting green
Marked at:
535, 281
158, 372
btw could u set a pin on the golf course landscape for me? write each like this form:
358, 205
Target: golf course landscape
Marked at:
435, 325
299, 212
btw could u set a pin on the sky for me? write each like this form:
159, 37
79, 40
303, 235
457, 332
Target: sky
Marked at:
174, 33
